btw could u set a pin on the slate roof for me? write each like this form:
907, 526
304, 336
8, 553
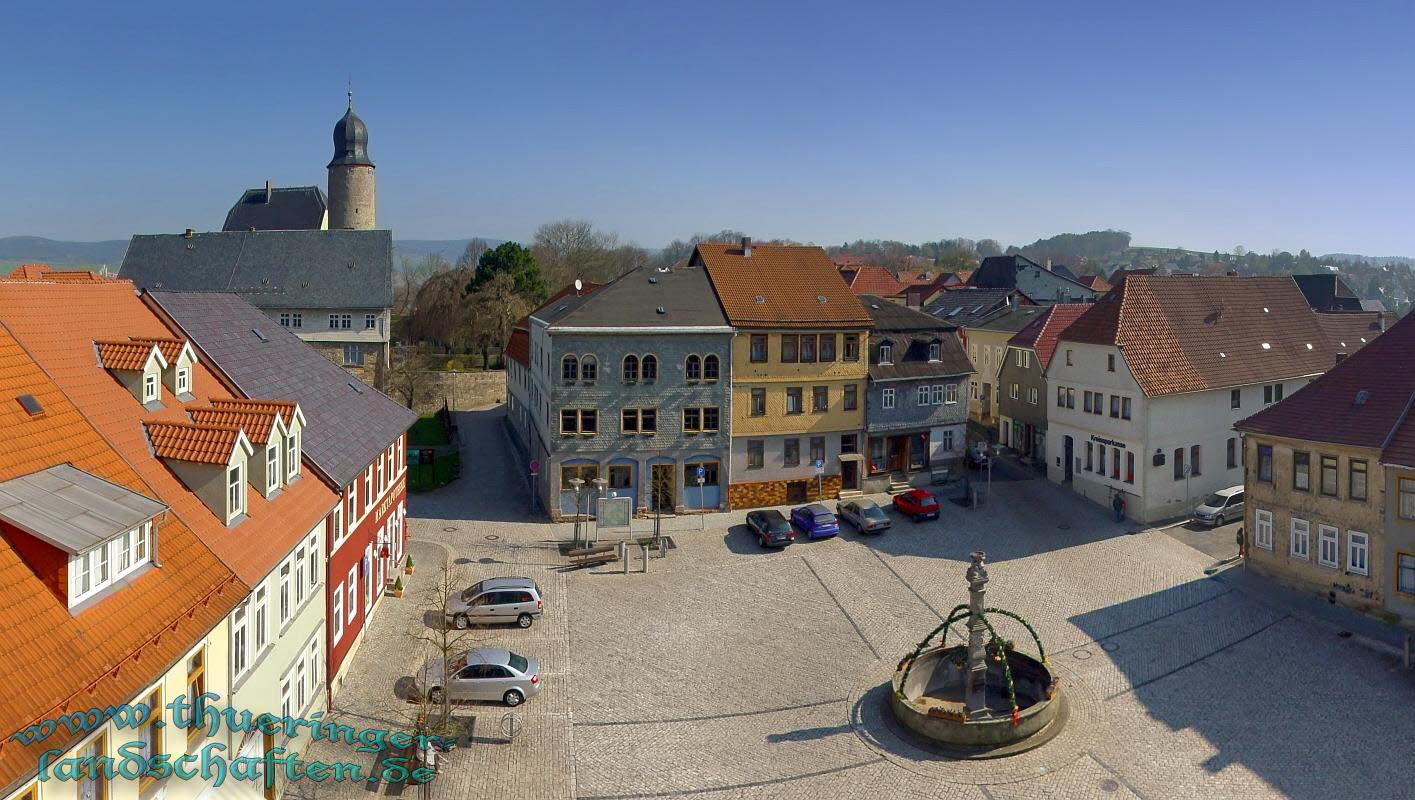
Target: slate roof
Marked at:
895, 317
1012, 320
1327, 292
349, 424
58, 662
1191, 333
641, 298
965, 306
1040, 335
780, 286
911, 332
71, 509
288, 208
112, 309
342, 269
869, 279
1365, 400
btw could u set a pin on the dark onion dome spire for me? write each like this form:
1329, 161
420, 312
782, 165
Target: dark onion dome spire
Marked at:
351, 139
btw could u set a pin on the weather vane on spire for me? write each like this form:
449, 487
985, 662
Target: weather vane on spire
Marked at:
351, 91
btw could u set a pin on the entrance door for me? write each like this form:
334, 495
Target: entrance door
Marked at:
1066, 455
898, 452
664, 485
849, 475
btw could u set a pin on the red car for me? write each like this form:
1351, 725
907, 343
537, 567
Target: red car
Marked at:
917, 503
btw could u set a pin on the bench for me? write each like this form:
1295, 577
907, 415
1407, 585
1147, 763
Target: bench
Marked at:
592, 556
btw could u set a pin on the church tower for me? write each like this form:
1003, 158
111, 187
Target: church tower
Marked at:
351, 189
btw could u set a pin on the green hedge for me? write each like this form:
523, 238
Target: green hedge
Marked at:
427, 432
426, 477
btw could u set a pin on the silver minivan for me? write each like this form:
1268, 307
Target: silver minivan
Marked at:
1221, 507
493, 600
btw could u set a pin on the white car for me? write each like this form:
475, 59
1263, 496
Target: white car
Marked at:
1221, 507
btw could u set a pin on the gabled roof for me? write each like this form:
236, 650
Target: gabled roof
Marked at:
780, 286
197, 443
71, 509
1096, 282
1327, 292
965, 306
1040, 335
1011, 320
911, 332
35, 272
518, 347
1191, 333
56, 662
112, 310
258, 425
288, 208
889, 316
343, 269
869, 279
170, 348
1366, 400
349, 423
128, 355
646, 297
287, 411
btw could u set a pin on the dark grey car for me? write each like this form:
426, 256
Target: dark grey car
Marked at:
864, 514
771, 527
494, 600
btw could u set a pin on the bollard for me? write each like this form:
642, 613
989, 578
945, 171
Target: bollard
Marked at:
644, 549
624, 555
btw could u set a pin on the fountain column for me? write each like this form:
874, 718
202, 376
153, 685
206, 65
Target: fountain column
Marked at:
975, 696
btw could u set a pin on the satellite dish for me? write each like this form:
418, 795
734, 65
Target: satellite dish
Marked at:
578, 285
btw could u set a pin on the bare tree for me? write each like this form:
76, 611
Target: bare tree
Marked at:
471, 254
441, 645
572, 248
495, 307
410, 279
440, 314
410, 377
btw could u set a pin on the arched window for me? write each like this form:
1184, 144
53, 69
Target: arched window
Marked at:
693, 370
589, 369
630, 371
570, 368
710, 367
650, 368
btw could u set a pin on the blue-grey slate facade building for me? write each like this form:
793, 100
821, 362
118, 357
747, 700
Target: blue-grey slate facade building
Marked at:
1037, 282
635, 377
916, 409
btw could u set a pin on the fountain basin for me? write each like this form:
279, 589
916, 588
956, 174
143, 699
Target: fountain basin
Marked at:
931, 702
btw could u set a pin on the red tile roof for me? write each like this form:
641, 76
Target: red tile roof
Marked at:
1095, 282
780, 287
1041, 334
1366, 400
123, 354
112, 311
518, 347
43, 272
871, 280
256, 424
284, 409
1190, 333
53, 662
171, 348
202, 444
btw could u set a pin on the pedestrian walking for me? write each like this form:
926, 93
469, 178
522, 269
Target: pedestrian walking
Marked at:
1117, 504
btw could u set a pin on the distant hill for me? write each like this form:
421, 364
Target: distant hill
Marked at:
35, 249
1379, 261
16, 250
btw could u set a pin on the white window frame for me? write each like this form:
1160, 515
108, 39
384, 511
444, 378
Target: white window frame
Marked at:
292, 454
236, 491
1305, 538
351, 605
1032, 396
240, 640
337, 615
1328, 544
886, 354
1263, 529
922, 396
272, 467
935, 351
299, 580
297, 320
370, 321
1353, 548
150, 392
260, 620
950, 395
936, 392
886, 398
184, 380
284, 608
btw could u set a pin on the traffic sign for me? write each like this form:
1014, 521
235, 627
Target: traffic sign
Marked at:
702, 473
535, 466
820, 466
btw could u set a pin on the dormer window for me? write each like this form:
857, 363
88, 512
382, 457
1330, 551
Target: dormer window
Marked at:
272, 468
292, 453
108, 563
150, 392
935, 350
886, 353
235, 491
184, 380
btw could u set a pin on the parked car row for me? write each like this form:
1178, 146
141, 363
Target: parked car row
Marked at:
816, 521
488, 673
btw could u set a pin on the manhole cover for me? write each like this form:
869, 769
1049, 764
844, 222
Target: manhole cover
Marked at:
1082, 654
1345, 634
1063, 527
450, 529
1110, 647
491, 537
1109, 785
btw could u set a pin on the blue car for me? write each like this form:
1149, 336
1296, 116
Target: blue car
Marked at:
815, 520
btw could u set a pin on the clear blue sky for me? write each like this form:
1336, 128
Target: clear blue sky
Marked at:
1204, 124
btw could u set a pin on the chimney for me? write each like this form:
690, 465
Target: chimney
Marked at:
267, 191
190, 232
746, 247
1048, 265
1233, 273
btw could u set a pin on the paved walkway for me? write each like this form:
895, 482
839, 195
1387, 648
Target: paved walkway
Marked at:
729, 672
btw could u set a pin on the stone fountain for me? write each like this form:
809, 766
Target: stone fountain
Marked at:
983, 697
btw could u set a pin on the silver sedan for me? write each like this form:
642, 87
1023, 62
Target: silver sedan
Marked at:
484, 674
864, 514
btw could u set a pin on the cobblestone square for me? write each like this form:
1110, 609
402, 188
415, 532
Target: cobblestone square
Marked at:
729, 672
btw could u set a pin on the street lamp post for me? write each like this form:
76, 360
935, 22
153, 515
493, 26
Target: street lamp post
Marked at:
577, 486
600, 485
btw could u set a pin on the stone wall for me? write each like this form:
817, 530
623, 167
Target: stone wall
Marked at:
773, 493
366, 372
463, 390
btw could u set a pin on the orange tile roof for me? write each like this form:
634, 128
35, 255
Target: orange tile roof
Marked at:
43, 272
1095, 282
171, 348
1191, 333
286, 410
780, 287
111, 310
872, 280
201, 444
127, 355
1041, 334
518, 347
256, 424
53, 662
